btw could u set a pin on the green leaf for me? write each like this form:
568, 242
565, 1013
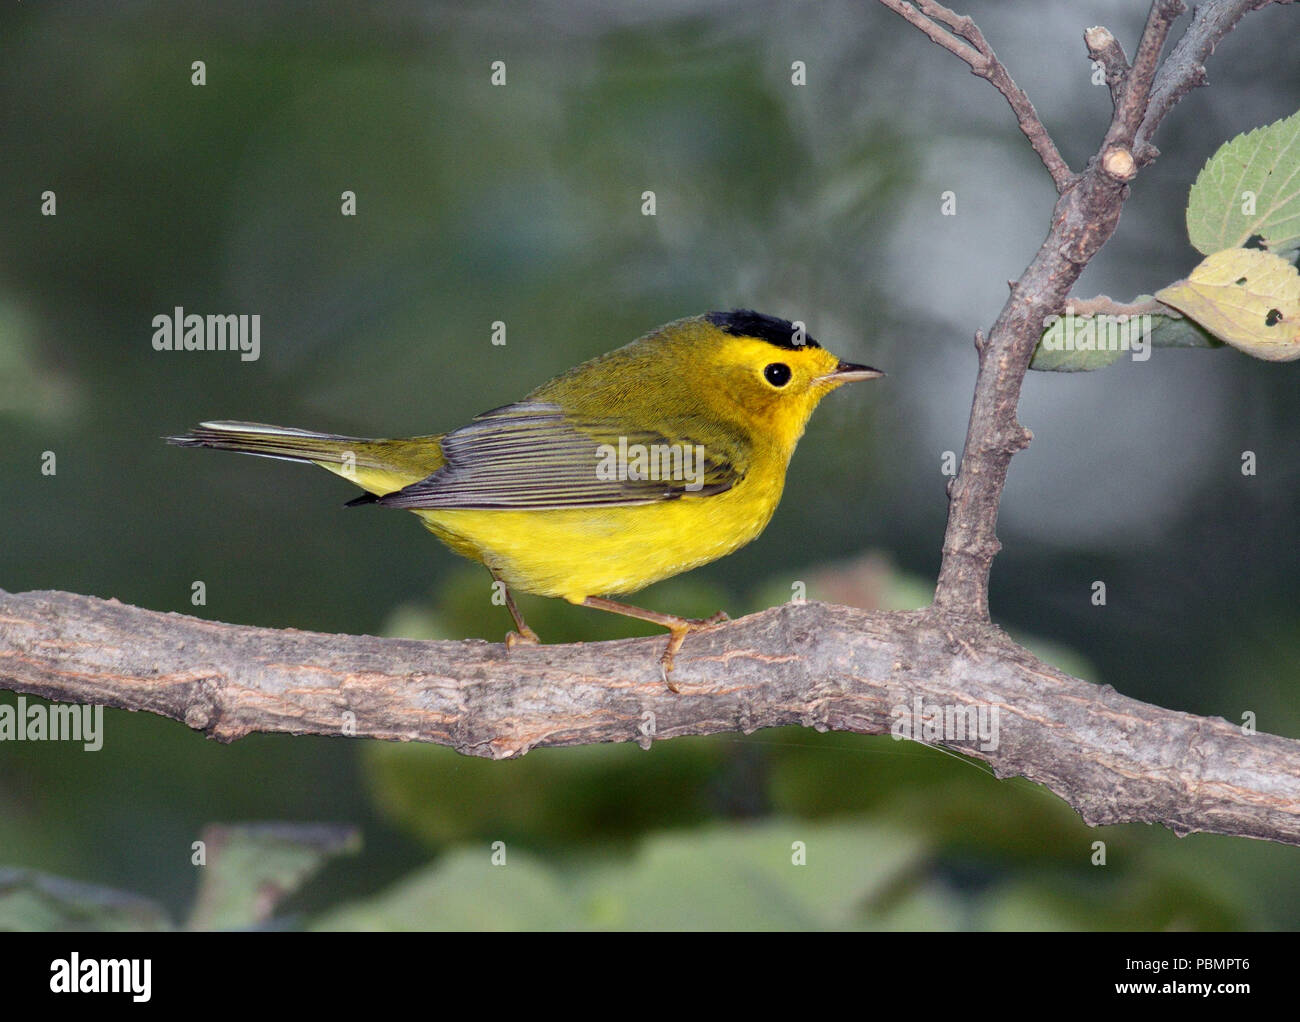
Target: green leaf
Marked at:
745, 877
722, 877
1181, 332
35, 902
1251, 186
465, 891
1066, 360
252, 867
1074, 343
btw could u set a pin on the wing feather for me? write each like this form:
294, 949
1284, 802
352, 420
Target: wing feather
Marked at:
534, 455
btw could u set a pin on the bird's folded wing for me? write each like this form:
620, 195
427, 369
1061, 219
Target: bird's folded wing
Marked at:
534, 455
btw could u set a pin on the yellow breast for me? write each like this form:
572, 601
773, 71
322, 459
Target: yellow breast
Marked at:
605, 551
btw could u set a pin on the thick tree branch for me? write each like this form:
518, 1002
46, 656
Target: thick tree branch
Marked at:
962, 37
1085, 217
1112, 758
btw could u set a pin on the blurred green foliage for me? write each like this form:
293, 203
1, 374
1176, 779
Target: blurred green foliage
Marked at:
522, 204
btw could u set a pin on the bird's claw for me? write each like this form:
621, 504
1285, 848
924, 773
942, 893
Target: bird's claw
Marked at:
676, 639
666, 673
527, 637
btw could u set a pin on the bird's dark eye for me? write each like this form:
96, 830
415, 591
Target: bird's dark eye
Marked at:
777, 374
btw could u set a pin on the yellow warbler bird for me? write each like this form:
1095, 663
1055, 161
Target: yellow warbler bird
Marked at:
630, 468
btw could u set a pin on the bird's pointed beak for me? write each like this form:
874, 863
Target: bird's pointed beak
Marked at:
848, 372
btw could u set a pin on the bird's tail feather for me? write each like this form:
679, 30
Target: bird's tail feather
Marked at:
378, 466
276, 442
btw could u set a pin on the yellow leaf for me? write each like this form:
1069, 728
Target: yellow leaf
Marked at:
1246, 297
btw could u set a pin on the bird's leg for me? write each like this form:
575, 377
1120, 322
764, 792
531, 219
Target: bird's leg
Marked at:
524, 636
678, 628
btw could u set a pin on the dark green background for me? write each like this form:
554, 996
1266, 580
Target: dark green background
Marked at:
522, 203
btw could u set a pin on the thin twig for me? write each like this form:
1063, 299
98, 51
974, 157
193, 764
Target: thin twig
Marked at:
1106, 50
961, 36
1132, 105
1184, 68
1104, 305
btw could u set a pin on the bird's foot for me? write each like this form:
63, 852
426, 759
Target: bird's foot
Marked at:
677, 635
524, 637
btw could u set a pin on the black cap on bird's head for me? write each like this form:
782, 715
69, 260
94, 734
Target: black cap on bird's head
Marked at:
748, 323
783, 334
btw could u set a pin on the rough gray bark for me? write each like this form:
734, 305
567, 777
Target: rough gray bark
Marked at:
1114, 759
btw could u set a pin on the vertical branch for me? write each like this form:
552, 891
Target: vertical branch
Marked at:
1084, 218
